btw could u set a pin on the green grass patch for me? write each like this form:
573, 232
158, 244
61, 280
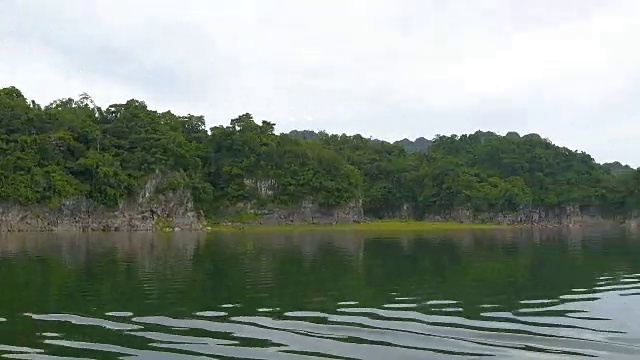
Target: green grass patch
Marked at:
163, 223
381, 225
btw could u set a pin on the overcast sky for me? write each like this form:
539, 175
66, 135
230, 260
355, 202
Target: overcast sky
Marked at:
566, 69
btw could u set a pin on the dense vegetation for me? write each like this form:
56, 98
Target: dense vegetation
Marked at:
73, 148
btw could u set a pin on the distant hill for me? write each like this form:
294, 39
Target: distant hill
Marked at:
420, 144
70, 149
423, 144
304, 134
617, 168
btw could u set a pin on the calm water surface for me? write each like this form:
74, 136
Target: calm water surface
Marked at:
512, 294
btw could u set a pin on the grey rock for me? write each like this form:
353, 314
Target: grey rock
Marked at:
557, 216
141, 213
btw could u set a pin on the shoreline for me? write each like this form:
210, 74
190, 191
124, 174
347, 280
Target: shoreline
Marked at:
398, 225
388, 225
379, 225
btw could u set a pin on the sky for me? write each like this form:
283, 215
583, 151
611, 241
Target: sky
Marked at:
568, 70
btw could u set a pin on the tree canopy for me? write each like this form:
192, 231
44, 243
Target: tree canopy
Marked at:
74, 148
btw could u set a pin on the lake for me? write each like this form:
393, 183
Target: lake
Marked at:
504, 294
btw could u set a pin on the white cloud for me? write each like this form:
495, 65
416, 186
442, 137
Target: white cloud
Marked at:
41, 74
565, 69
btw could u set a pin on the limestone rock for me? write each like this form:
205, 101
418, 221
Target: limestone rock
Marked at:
145, 212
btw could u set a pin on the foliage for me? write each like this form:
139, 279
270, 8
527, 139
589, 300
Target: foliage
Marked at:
163, 223
73, 148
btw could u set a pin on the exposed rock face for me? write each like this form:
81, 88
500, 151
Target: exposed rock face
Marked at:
569, 215
404, 211
306, 212
148, 211
265, 188
151, 210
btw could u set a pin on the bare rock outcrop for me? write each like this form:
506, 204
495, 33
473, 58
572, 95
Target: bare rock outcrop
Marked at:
148, 211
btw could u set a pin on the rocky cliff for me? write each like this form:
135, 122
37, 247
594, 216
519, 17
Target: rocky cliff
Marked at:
263, 210
559, 216
148, 211
308, 212
152, 210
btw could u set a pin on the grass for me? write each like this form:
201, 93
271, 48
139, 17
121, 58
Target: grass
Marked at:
163, 224
379, 225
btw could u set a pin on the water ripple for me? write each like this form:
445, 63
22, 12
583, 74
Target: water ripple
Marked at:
81, 320
286, 297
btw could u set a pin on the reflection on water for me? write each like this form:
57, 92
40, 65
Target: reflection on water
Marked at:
516, 293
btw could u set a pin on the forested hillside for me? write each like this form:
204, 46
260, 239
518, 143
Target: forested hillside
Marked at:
74, 148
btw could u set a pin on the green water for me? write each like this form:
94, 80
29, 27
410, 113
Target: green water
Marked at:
507, 294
